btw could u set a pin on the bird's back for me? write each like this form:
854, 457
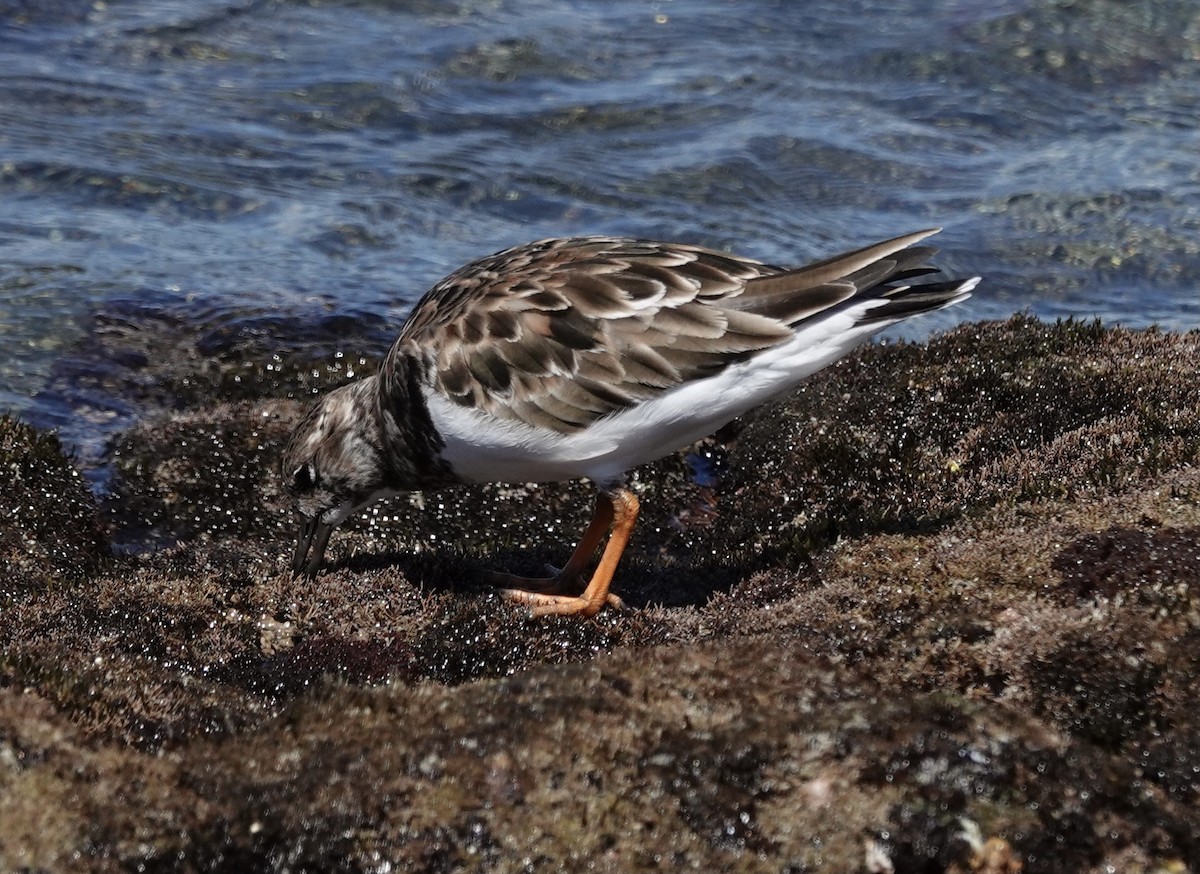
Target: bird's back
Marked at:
570, 349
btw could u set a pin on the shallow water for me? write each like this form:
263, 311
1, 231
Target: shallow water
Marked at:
262, 165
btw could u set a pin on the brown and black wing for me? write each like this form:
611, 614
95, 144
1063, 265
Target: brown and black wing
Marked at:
562, 332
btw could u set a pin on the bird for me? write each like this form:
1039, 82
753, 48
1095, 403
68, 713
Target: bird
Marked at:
583, 358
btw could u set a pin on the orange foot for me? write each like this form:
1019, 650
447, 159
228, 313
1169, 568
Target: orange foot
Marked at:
541, 604
549, 596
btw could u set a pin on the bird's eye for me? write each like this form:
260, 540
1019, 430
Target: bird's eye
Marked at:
305, 478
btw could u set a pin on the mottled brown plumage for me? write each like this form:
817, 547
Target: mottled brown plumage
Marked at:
559, 333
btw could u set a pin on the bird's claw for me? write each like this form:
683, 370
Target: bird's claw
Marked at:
541, 604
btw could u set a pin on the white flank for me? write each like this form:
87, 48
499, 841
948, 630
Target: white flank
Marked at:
484, 448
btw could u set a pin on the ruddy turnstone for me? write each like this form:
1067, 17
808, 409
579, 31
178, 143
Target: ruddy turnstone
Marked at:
586, 357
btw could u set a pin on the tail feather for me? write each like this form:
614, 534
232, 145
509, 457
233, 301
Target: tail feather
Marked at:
901, 302
874, 282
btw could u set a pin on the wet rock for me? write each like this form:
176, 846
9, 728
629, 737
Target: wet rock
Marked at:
50, 532
938, 613
206, 473
908, 438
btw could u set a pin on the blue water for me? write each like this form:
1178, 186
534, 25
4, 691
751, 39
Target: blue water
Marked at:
224, 160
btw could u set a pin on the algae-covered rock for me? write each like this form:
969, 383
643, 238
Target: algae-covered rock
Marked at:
748, 754
49, 529
909, 438
203, 473
937, 611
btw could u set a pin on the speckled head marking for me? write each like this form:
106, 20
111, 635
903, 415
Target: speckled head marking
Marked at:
333, 465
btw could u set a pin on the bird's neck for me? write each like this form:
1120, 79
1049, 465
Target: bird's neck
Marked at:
411, 443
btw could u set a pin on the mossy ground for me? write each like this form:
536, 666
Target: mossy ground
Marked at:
941, 612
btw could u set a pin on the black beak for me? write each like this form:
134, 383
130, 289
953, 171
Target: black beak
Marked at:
313, 536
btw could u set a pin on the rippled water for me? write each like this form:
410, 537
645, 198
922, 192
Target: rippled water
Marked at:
229, 161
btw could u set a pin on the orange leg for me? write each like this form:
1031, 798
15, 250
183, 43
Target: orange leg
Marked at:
620, 507
566, 581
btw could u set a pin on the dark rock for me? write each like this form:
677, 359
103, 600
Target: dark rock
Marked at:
50, 532
936, 613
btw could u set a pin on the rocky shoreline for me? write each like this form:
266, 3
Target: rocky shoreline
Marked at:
939, 612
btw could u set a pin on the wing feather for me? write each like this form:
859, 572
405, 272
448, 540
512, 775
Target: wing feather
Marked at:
559, 333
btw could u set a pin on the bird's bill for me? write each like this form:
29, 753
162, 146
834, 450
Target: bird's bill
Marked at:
310, 546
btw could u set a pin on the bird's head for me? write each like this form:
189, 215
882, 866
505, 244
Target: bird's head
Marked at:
332, 466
